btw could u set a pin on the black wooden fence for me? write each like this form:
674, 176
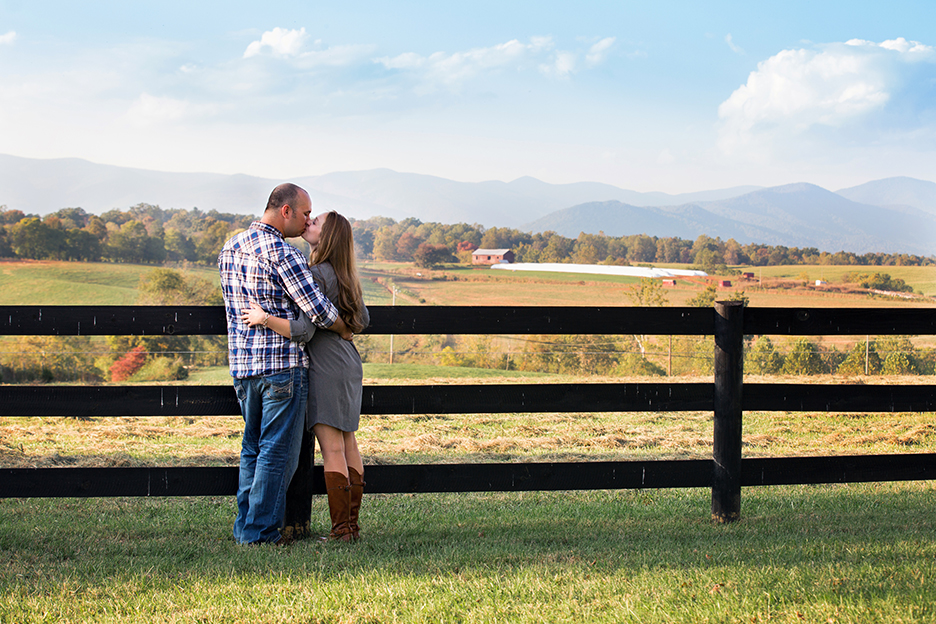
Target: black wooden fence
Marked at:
727, 397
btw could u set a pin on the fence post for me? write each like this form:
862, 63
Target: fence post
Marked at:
297, 521
729, 368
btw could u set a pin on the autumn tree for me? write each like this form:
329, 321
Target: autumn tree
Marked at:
430, 256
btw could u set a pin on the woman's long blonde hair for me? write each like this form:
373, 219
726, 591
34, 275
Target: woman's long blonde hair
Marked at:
336, 246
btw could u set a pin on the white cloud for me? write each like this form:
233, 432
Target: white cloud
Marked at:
562, 65
453, 69
409, 60
8, 38
841, 87
336, 56
149, 109
599, 52
280, 42
731, 44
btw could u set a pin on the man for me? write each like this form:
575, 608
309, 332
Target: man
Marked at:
269, 371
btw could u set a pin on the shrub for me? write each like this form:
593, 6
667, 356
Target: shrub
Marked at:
449, 357
693, 355
898, 363
926, 361
128, 364
161, 369
832, 359
48, 359
898, 355
878, 281
636, 364
804, 359
763, 358
429, 256
854, 362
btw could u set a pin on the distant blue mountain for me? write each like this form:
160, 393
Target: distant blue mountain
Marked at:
794, 215
44, 186
895, 192
896, 214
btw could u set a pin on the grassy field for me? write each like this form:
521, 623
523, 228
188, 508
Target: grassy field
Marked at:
76, 283
777, 287
816, 554
63, 283
857, 553
922, 279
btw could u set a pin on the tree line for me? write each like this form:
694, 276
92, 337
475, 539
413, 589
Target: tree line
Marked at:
142, 234
149, 234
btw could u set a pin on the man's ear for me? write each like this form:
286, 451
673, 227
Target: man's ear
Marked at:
285, 210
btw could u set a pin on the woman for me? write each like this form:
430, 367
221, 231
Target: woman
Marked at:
335, 371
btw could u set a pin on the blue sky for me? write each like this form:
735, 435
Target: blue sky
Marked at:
664, 96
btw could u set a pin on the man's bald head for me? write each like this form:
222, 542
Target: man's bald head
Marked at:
284, 194
287, 209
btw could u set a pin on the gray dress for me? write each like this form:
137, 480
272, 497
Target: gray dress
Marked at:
335, 371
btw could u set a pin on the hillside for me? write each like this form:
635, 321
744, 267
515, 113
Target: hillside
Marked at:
794, 215
900, 191
44, 186
892, 215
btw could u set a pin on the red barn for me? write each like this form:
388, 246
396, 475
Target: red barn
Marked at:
491, 256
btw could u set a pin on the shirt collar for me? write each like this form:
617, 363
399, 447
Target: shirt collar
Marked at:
260, 225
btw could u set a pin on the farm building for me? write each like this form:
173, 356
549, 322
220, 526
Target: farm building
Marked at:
491, 256
724, 283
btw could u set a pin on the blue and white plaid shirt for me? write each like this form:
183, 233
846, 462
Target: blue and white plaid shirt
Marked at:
259, 265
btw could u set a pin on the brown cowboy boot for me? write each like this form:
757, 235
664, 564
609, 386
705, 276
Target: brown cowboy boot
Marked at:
339, 505
357, 492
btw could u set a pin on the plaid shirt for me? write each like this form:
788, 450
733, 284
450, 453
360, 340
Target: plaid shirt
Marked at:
259, 265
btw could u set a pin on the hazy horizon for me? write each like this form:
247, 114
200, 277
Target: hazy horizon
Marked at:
666, 97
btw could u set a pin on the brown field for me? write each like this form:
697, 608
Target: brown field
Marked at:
481, 286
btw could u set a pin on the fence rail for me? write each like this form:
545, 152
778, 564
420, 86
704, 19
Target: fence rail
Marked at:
727, 397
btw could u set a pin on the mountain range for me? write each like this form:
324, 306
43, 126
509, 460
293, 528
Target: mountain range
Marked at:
894, 215
794, 215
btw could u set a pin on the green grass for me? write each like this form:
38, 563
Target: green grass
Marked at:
428, 372
210, 376
847, 553
219, 375
857, 553
920, 278
75, 283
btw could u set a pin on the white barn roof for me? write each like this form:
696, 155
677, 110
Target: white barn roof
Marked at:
489, 252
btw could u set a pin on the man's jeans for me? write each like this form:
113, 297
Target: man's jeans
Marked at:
274, 414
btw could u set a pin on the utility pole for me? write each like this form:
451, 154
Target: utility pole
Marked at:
392, 290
